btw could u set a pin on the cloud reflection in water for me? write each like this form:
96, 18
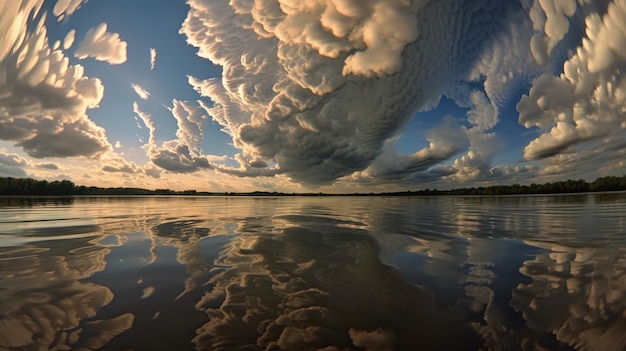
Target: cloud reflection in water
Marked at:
319, 284
43, 297
578, 294
318, 273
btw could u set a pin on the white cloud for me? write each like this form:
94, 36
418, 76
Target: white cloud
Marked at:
44, 99
65, 8
141, 91
147, 121
69, 39
183, 154
102, 45
550, 20
153, 56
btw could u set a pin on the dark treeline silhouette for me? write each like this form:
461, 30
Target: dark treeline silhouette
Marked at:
32, 187
609, 183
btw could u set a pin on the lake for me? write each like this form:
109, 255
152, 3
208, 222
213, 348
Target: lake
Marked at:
314, 273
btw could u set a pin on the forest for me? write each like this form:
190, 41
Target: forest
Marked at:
31, 187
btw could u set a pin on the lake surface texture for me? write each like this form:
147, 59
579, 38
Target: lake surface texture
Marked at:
314, 273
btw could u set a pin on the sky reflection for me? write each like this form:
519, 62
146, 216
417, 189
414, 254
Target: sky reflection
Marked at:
314, 273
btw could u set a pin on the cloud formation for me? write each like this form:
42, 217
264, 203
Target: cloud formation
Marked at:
153, 56
119, 165
65, 8
43, 99
45, 301
323, 89
317, 89
12, 165
141, 91
584, 104
51, 166
576, 294
68, 41
102, 45
298, 301
183, 154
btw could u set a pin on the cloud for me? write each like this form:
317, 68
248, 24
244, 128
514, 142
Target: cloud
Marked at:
12, 165
43, 99
152, 171
141, 91
102, 45
319, 88
51, 166
550, 21
445, 140
12, 160
298, 302
119, 165
80, 138
183, 154
581, 110
147, 121
65, 8
573, 295
153, 56
68, 41
45, 300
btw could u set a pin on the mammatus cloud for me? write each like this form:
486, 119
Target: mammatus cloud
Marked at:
153, 55
44, 99
102, 45
581, 111
323, 89
314, 89
141, 91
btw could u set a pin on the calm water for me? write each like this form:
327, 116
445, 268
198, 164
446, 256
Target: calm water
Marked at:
309, 273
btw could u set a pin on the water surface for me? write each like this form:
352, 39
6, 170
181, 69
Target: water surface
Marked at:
314, 273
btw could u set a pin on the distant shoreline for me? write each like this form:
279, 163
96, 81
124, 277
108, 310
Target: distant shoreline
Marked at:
31, 187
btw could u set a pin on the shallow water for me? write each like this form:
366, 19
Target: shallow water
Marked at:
308, 273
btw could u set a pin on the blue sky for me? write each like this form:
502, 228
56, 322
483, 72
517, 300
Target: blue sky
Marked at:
326, 95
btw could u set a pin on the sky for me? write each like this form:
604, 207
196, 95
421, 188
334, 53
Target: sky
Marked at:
312, 95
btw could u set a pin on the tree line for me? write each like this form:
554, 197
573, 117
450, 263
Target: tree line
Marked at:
609, 183
31, 187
